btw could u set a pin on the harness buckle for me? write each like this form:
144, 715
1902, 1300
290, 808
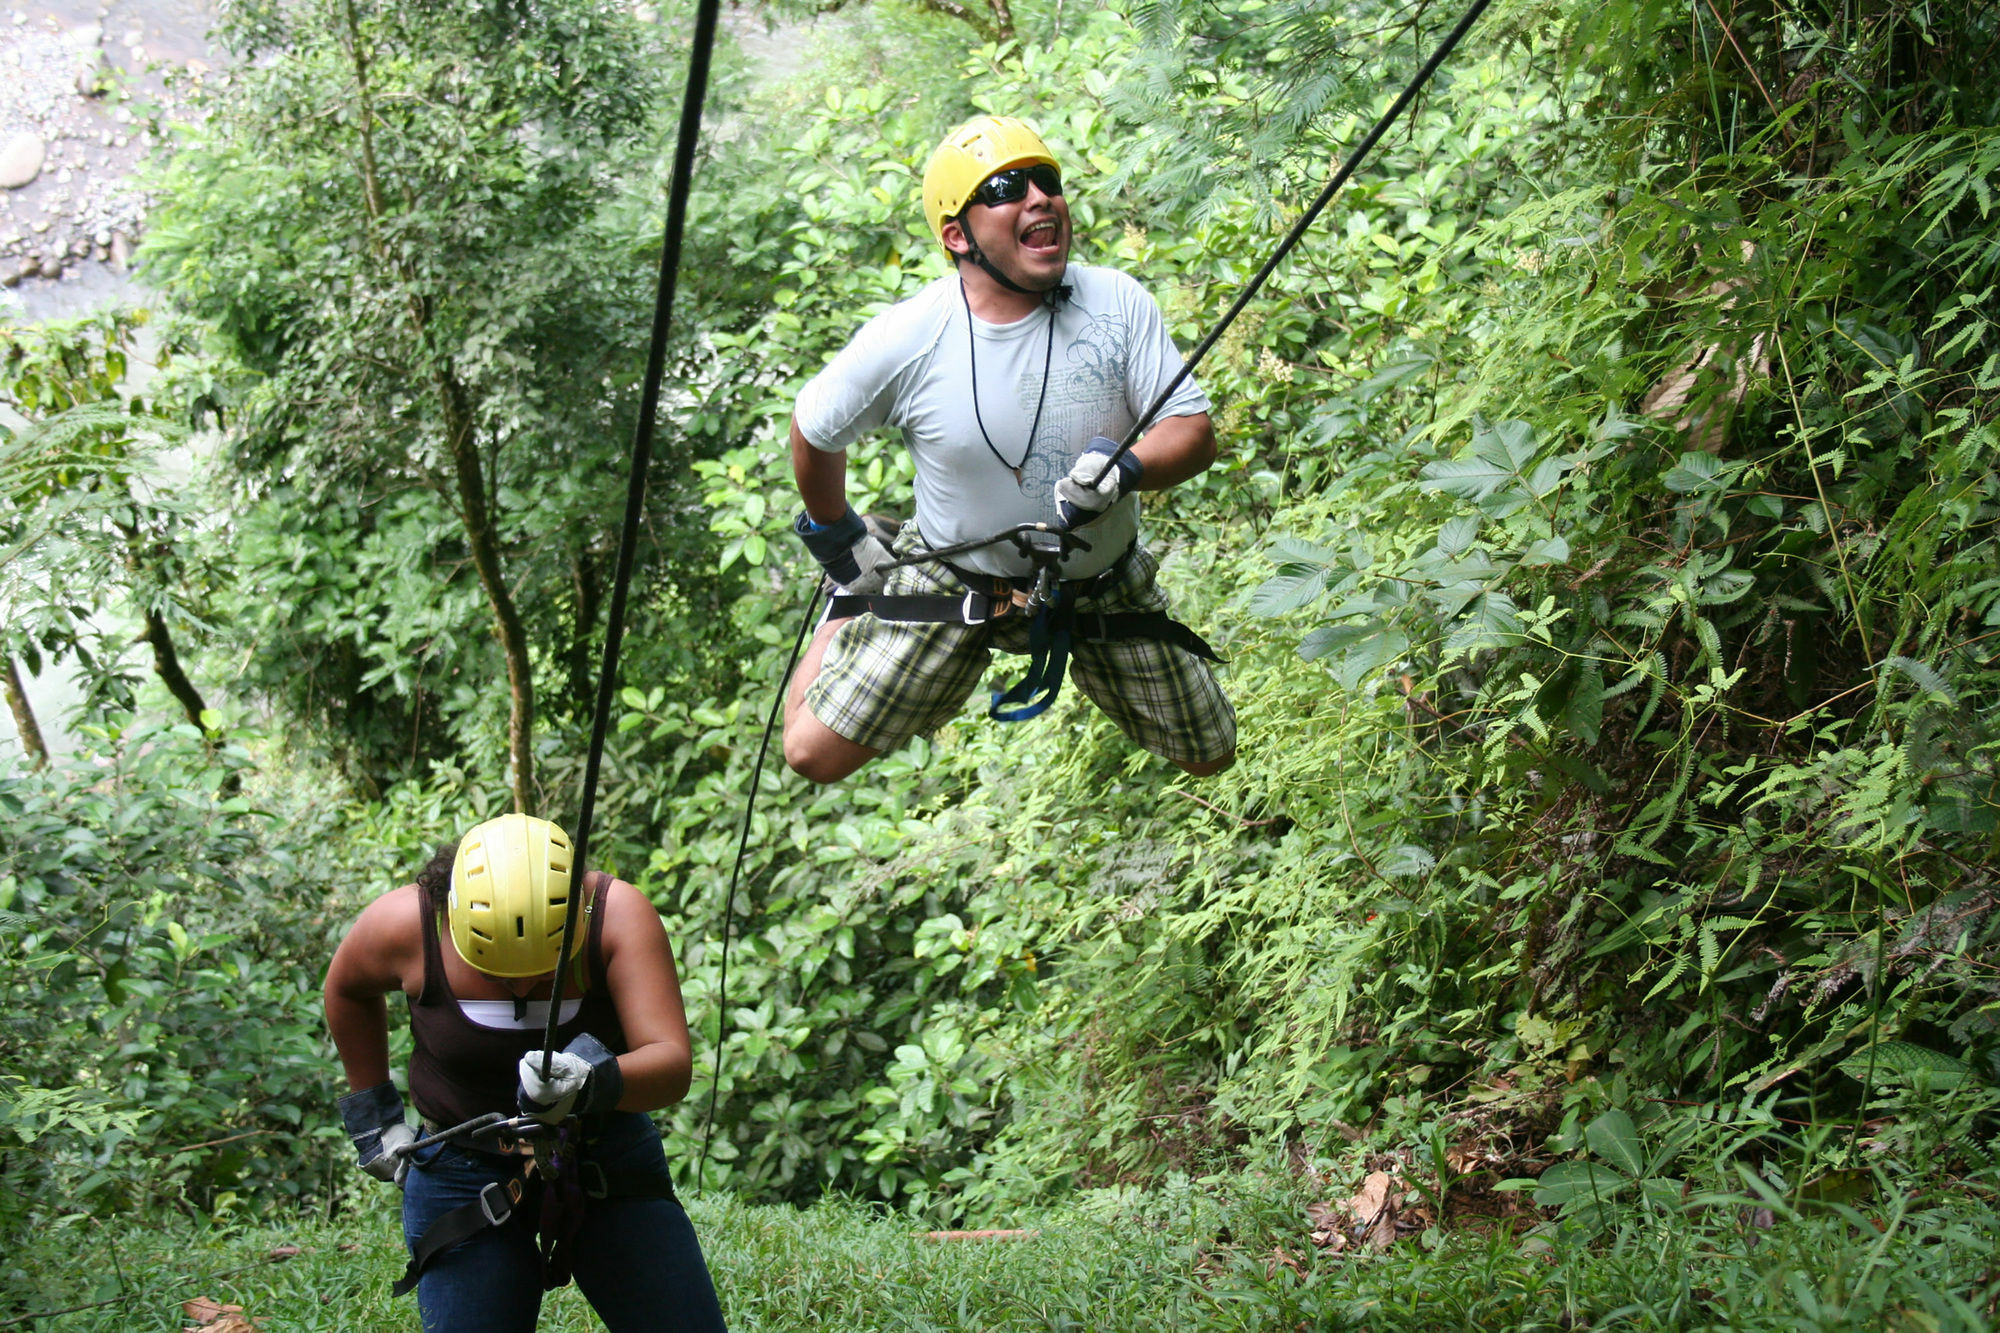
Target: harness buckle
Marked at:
965, 610
511, 1187
595, 1184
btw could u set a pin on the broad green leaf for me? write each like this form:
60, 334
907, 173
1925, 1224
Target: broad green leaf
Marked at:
1695, 472
1904, 1062
1615, 1138
1292, 587
1456, 536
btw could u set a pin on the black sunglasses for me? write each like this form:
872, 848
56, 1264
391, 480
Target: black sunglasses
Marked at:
1004, 187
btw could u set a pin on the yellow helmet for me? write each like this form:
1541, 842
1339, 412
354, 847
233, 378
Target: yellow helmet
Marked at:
971, 153
510, 896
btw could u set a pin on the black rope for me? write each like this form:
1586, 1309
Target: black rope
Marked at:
736, 876
635, 491
1297, 232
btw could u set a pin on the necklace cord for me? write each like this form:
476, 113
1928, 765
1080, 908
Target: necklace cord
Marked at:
972, 356
1297, 232
706, 17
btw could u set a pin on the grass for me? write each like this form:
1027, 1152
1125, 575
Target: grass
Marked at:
1102, 1264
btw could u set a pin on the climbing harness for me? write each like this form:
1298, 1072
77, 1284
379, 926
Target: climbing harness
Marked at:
1051, 603
553, 1176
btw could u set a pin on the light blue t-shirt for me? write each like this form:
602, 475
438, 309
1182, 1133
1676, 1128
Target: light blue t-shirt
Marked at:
912, 367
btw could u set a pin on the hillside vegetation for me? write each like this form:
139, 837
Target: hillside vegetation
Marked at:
1603, 547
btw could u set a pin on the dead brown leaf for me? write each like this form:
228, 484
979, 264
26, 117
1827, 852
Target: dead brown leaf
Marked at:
213, 1316
1280, 1255
284, 1252
1373, 1209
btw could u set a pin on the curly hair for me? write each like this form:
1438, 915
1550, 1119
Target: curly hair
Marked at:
434, 880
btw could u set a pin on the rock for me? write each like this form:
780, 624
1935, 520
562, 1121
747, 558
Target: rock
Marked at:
102, 254
79, 248
65, 176
21, 160
39, 225
123, 115
11, 276
105, 138
93, 74
103, 237
121, 250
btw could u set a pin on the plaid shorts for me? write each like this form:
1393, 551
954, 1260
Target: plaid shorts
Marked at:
884, 681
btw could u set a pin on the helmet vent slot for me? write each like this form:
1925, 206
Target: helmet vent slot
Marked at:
520, 928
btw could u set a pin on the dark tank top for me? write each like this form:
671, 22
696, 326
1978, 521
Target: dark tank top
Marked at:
460, 1070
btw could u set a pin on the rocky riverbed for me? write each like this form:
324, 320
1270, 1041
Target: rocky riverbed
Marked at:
86, 88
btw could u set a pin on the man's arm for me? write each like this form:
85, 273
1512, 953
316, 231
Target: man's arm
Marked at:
822, 478
1175, 449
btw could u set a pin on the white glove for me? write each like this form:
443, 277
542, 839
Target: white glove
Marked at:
550, 1099
393, 1162
1078, 500
373, 1118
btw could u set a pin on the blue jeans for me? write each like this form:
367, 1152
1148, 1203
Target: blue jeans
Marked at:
636, 1259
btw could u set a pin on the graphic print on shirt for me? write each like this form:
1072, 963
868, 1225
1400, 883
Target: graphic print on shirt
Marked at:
1086, 394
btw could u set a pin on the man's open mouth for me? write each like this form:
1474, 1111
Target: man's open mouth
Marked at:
1041, 236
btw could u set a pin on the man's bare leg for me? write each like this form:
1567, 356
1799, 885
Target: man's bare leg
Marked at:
814, 750
1204, 768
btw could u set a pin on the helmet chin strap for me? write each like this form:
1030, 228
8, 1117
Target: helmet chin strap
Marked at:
1056, 294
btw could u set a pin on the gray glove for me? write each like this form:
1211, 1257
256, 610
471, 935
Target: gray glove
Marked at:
1078, 501
374, 1120
583, 1078
846, 550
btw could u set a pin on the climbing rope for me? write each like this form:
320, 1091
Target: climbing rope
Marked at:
1297, 233
736, 876
635, 490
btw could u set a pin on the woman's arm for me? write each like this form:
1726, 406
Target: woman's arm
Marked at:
647, 992
377, 956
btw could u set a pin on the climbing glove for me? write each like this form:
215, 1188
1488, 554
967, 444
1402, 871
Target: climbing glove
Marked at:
583, 1078
846, 550
1078, 501
373, 1118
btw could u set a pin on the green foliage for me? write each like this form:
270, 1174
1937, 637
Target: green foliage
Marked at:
94, 542
393, 221
1604, 552
160, 1043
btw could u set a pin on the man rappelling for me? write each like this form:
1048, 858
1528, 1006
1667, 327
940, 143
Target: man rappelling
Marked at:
1007, 379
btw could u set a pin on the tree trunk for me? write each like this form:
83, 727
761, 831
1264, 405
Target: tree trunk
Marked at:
461, 438
25, 725
468, 473
167, 665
